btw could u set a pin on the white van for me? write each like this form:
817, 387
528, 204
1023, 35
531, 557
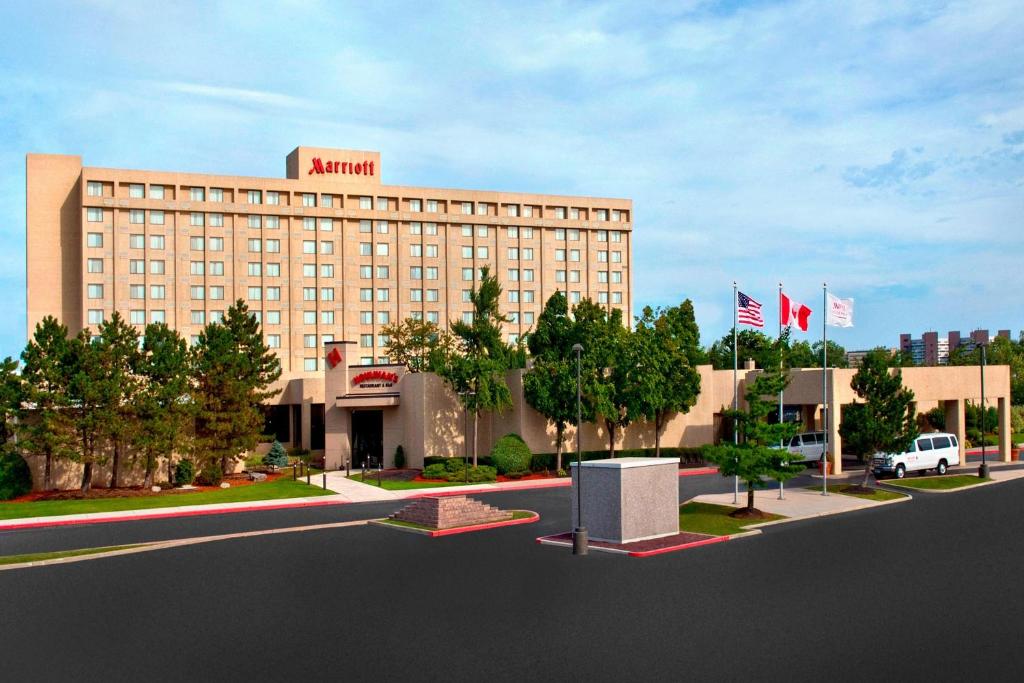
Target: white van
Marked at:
807, 445
928, 451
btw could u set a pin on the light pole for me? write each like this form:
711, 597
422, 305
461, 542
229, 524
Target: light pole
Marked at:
983, 470
465, 432
579, 534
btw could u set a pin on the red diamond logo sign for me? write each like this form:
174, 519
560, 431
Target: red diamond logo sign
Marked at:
334, 357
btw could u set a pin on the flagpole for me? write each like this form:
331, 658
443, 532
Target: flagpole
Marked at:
782, 494
824, 387
735, 389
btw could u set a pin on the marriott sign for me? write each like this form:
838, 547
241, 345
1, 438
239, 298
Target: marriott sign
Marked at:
321, 167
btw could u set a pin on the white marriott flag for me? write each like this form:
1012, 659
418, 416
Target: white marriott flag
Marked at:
839, 312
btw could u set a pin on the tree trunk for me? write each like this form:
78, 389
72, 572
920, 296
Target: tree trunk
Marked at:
476, 416
750, 496
170, 469
559, 440
867, 472
150, 469
87, 477
48, 472
116, 464
611, 438
224, 464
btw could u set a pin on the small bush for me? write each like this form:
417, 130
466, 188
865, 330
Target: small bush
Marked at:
399, 457
511, 455
454, 464
435, 471
184, 472
476, 474
15, 476
211, 474
277, 457
433, 460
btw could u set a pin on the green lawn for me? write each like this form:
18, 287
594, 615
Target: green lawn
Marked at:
879, 494
397, 485
271, 490
706, 518
955, 481
516, 514
38, 557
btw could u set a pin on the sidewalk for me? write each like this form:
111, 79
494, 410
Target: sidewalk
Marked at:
803, 503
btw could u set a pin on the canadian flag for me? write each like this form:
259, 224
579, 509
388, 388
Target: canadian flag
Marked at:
794, 313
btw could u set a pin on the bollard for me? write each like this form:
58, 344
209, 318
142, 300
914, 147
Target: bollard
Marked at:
325, 480
293, 473
307, 474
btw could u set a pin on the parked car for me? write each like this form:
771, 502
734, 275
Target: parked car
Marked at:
807, 445
928, 451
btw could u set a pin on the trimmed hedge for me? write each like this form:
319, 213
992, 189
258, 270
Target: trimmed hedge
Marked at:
511, 455
688, 455
15, 476
453, 469
440, 460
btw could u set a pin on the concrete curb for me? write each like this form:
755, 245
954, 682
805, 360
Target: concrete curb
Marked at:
459, 529
828, 513
899, 488
547, 540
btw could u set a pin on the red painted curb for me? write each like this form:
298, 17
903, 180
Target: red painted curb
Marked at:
166, 515
698, 471
683, 546
481, 527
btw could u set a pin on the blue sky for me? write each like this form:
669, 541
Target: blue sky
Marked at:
878, 145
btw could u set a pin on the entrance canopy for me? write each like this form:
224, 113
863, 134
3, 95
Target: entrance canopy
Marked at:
367, 400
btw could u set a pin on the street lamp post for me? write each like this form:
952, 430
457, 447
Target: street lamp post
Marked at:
464, 395
983, 470
579, 534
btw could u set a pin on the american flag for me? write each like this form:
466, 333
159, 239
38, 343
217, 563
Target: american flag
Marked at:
748, 311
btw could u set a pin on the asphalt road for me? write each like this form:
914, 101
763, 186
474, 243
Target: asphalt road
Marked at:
929, 590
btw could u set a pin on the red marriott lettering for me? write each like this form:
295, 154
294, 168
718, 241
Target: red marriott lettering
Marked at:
321, 167
375, 376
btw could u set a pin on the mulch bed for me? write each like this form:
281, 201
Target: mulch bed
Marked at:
533, 476
387, 475
236, 480
662, 543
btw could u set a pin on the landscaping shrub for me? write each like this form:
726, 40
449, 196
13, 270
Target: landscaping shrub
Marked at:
300, 453
184, 472
435, 471
277, 457
434, 460
399, 457
15, 476
454, 464
511, 455
211, 474
477, 474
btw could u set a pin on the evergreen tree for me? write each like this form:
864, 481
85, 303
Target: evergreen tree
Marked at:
118, 346
163, 405
233, 372
751, 343
90, 391
885, 421
550, 384
276, 457
43, 420
664, 382
757, 455
10, 397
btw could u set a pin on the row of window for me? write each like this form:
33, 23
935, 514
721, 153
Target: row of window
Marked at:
309, 199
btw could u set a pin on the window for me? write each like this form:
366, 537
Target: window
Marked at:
196, 219
217, 293
255, 246
254, 221
326, 247
95, 291
273, 197
383, 294
273, 317
274, 341
94, 239
136, 216
574, 276
513, 296
137, 241
156, 217
467, 230
602, 214
308, 246
197, 243
559, 254
216, 194
481, 231
513, 274
156, 191
574, 255
416, 295
616, 236
137, 316
326, 270
431, 251
382, 248
254, 269
526, 233
197, 194
327, 294
560, 212
382, 272
326, 224
216, 244
198, 317
95, 316
574, 235
309, 341
574, 297
467, 252
513, 254
616, 297
415, 273
256, 315
271, 222
433, 316
430, 228
156, 241
366, 317
366, 294
512, 210
94, 265
527, 212
366, 341
528, 296
467, 317
616, 257
481, 252
309, 364
617, 276
574, 214
156, 267
327, 317
482, 209
94, 189
255, 196
528, 318
137, 267
602, 257
467, 274
365, 249
416, 315
432, 295
602, 276
528, 274
255, 293
602, 235
616, 216
309, 223
513, 232
382, 227
157, 316
366, 272
467, 295
431, 272
559, 276
602, 297
157, 291
527, 254
216, 316
467, 208
365, 203
198, 292
94, 215
560, 234
308, 199
431, 206
137, 291
382, 342
416, 206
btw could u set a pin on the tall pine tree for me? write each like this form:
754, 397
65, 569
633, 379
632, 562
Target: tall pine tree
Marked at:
163, 405
118, 346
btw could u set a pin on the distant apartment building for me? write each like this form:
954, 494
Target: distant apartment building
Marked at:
931, 349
